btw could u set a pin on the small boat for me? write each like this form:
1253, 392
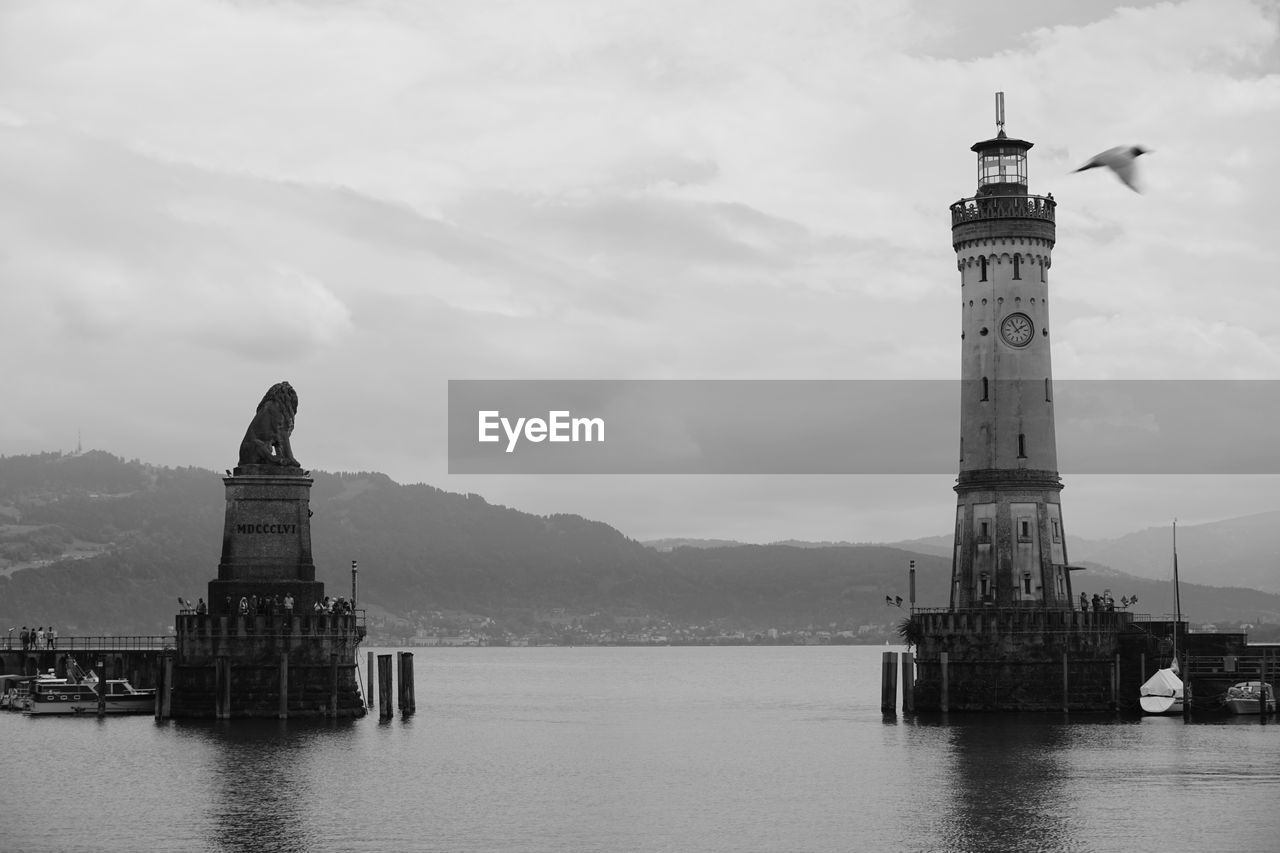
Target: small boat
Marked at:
1161, 693
1243, 697
11, 686
60, 696
48, 694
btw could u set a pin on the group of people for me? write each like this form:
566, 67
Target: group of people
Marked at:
34, 639
265, 605
1104, 602
270, 605
337, 605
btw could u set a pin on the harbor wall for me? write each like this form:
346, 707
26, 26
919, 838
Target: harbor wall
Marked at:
1023, 659
1026, 659
267, 666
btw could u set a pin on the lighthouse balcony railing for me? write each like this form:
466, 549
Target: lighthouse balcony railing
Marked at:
1003, 207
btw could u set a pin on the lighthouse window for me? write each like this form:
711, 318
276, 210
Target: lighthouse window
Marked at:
1048, 391
984, 532
982, 262
1017, 268
984, 389
1022, 445
1026, 582
1057, 530
984, 585
1024, 530
1042, 270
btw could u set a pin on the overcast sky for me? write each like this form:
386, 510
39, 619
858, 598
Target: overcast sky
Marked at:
199, 199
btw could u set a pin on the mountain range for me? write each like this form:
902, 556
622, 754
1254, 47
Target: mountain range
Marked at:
95, 544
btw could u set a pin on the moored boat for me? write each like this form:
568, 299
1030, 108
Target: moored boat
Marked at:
48, 694
59, 696
1161, 693
1245, 698
12, 686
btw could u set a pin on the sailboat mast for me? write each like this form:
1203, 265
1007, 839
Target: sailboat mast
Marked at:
1177, 596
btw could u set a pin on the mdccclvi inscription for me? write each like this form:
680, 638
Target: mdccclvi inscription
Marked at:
280, 529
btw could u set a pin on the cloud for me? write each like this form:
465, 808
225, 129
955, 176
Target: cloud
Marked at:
373, 198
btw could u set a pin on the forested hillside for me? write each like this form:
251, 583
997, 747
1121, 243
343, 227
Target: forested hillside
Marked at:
93, 544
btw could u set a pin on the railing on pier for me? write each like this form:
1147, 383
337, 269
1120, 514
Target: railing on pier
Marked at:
1019, 620
104, 643
1246, 667
278, 625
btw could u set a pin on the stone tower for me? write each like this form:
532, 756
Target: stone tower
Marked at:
1010, 548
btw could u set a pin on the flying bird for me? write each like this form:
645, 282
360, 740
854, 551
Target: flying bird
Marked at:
1119, 160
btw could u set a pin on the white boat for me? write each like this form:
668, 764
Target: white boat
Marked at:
48, 694
1161, 693
1243, 697
60, 696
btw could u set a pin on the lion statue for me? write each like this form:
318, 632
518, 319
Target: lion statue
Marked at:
266, 442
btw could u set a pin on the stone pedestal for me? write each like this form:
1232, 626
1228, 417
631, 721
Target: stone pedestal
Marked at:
268, 662
266, 540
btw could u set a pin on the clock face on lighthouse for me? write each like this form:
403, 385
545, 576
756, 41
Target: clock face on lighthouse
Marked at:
1017, 330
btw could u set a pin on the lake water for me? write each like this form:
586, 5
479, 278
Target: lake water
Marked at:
642, 749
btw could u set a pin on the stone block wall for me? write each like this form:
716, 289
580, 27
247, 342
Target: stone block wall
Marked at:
317, 650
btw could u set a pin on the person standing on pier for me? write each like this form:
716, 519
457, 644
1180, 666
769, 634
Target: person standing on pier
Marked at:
52, 637
40, 638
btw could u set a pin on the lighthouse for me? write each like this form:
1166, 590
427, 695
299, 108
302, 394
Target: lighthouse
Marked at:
1010, 544
1010, 639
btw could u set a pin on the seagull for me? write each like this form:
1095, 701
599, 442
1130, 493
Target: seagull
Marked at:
1119, 160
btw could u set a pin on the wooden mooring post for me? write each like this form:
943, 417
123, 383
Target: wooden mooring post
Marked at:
222, 688
1115, 685
944, 703
160, 688
908, 683
407, 703
1262, 690
283, 712
413, 700
102, 689
1066, 683
384, 687
889, 683
369, 697
333, 685
1186, 687
166, 695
